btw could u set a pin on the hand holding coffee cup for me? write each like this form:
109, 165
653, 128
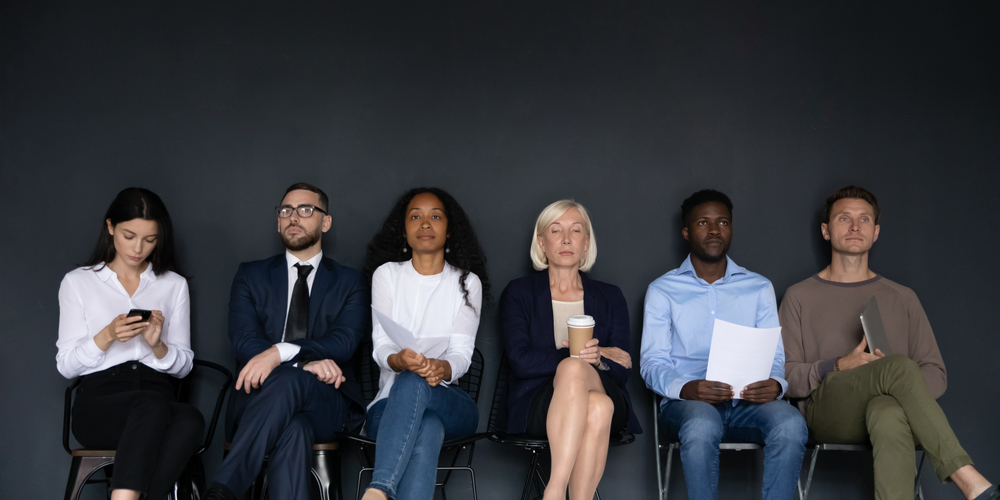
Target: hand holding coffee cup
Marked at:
581, 332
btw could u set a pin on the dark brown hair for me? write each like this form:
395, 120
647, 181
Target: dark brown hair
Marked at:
323, 200
137, 203
851, 192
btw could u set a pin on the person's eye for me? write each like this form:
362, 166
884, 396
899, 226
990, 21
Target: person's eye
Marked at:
724, 223
436, 217
127, 237
414, 217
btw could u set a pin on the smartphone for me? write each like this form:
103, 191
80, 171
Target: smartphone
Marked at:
139, 312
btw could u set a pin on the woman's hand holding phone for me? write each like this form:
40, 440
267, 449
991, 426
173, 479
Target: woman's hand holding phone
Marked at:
121, 329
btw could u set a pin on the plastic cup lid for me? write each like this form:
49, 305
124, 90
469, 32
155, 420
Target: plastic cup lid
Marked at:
580, 320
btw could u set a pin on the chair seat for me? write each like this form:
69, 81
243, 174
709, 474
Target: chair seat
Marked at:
80, 452
316, 447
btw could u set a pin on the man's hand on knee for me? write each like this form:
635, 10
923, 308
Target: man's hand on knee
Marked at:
708, 391
327, 371
764, 391
858, 357
257, 369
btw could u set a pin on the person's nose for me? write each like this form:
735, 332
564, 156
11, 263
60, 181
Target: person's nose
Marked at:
714, 228
425, 224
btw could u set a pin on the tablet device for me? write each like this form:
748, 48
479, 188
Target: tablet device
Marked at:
871, 321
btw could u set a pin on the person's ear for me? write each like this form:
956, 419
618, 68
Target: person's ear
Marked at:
111, 228
876, 233
826, 231
684, 233
327, 222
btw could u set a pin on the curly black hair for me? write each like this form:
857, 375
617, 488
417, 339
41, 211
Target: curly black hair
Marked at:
464, 250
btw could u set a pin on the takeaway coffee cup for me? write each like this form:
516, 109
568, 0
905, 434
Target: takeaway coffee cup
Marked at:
581, 330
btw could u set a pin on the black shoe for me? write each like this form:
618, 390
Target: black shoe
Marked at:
219, 491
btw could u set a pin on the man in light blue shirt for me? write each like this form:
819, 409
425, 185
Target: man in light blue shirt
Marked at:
680, 311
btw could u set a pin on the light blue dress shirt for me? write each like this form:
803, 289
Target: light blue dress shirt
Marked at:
679, 317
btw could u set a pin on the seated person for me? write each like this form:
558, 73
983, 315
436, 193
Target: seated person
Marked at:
295, 320
578, 403
125, 401
852, 396
678, 320
429, 276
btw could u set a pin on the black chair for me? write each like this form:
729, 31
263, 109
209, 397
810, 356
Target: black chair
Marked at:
368, 376
663, 473
918, 491
535, 446
86, 462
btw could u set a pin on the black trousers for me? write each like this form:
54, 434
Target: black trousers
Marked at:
131, 408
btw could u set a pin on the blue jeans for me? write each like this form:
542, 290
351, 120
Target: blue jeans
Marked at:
700, 427
414, 420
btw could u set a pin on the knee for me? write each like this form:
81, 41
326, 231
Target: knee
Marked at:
787, 427
189, 418
704, 427
904, 367
408, 384
571, 372
298, 430
430, 435
286, 378
600, 410
884, 417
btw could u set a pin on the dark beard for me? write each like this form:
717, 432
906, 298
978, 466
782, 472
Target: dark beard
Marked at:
305, 241
710, 259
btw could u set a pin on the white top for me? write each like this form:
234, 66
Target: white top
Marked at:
287, 350
89, 300
428, 306
561, 311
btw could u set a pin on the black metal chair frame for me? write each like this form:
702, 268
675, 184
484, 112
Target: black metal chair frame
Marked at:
663, 473
86, 462
471, 382
535, 472
918, 491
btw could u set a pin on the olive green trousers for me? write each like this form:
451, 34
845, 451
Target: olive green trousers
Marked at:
886, 403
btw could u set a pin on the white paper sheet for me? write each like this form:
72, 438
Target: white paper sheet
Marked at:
741, 355
431, 347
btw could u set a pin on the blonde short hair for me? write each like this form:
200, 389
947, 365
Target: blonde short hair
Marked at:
546, 218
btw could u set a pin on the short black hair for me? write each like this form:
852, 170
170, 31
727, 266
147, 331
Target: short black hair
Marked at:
851, 192
323, 200
703, 196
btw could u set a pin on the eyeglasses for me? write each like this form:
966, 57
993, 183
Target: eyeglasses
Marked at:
305, 211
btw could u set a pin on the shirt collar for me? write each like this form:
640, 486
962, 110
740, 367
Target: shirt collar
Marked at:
731, 269
291, 260
105, 273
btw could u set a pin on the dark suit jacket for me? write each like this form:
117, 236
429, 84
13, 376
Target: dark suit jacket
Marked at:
339, 310
526, 313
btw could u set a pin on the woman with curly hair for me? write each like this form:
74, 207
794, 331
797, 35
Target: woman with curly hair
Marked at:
428, 276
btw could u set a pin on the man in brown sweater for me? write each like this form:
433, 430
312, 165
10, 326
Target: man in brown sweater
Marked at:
849, 395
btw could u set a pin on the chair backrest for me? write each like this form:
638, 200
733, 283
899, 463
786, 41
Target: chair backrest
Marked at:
499, 396
367, 372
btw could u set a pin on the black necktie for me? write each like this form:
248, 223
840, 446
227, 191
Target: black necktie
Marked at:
298, 311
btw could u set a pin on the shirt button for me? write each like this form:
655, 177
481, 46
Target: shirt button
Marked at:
713, 312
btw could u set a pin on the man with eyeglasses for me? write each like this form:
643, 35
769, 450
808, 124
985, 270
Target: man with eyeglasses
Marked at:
295, 320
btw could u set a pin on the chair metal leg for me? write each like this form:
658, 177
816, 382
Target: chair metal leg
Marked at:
804, 492
81, 468
326, 470
666, 473
918, 490
530, 476
659, 450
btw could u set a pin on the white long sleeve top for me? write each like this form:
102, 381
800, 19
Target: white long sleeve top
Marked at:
428, 306
90, 299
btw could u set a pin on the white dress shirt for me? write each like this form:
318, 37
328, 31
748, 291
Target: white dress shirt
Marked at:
90, 299
287, 350
428, 306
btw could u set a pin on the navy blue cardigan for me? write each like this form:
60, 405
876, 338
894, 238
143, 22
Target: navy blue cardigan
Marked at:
526, 313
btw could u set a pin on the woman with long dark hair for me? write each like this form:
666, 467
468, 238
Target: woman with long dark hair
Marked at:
126, 401
428, 277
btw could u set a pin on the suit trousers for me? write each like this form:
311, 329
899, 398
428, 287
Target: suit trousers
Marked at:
886, 402
281, 420
131, 408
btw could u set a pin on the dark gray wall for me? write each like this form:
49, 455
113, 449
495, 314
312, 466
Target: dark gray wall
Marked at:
218, 106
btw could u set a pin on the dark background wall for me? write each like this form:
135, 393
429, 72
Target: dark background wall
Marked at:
628, 108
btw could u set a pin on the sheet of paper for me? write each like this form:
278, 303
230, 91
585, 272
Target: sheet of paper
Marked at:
431, 347
741, 355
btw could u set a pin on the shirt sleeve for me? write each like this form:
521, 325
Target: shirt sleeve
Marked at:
924, 348
767, 317
463, 340
77, 350
287, 350
803, 377
176, 335
382, 345
656, 365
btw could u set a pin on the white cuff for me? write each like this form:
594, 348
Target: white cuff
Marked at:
168, 359
287, 350
91, 355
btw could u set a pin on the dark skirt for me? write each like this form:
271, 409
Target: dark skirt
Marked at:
539, 409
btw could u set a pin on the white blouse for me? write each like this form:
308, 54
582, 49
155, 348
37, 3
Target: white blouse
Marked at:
89, 300
428, 306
